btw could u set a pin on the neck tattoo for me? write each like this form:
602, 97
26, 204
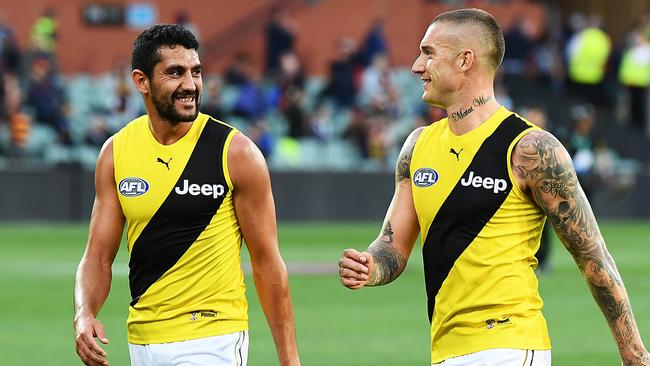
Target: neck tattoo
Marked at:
482, 100
464, 112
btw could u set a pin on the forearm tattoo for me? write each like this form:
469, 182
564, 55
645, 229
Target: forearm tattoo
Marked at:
541, 161
389, 263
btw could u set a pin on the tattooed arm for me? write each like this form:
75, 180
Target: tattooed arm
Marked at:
543, 168
386, 257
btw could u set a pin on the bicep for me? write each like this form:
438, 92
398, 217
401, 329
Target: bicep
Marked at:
553, 184
253, 198
107, 219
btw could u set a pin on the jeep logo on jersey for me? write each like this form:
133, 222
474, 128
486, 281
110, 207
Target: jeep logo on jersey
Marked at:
495, 184
425, 177
214, 190
133, 187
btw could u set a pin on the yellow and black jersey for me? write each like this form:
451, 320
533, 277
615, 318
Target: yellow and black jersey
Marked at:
479, 233
183, 236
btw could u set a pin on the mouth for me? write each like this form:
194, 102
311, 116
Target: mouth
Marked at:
425, 81
186, 99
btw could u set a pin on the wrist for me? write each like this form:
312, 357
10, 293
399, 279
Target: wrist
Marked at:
634, 354
83, 314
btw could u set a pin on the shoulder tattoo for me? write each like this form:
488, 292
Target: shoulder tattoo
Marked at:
402, 172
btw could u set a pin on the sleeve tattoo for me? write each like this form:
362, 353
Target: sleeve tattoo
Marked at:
389, 263
542, 162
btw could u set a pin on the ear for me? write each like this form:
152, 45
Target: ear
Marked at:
466, 59
141, 81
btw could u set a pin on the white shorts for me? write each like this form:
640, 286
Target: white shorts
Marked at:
502, 357
224, 350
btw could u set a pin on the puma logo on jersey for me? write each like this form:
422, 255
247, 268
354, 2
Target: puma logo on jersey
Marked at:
425, 177
495, 184
214, 190
166, 163
452, 151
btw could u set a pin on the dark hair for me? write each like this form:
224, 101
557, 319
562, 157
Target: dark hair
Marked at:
492, 32
146, 48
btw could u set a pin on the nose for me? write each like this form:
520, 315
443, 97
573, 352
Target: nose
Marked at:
418, 65
188, 82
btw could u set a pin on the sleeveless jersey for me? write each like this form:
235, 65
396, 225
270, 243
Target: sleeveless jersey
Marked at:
183, 236
479, 233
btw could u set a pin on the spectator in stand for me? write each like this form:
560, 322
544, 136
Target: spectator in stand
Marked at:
280, 38
98, 132
291, 73
588, 52
375, 42
9, 50
295, 113
123, 106
260, 135
251, 102
580, 145
342, 85
44, 33
547, 57
358, 133
377, 88
520, 42
238, 71
211, 99
321, 124
634, 75
10, 91
47, 98
291, 76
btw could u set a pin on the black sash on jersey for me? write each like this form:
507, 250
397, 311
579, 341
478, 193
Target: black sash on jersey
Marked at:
181, 218
467, 210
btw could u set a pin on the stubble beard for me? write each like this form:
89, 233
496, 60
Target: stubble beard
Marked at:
165, 106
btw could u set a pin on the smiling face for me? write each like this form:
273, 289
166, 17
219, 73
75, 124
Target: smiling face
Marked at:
175, 85
436, 64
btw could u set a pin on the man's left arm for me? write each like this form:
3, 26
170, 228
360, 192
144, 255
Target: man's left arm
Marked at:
544, 169
255, 210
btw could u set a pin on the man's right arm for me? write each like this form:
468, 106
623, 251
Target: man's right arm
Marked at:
386, 257
93, 279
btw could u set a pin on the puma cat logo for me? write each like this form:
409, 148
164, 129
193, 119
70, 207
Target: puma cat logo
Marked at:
166, 163
452, 151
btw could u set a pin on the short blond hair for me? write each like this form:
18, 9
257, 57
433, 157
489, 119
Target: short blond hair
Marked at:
496, 44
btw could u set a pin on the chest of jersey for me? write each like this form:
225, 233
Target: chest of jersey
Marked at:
174, 185
460, 176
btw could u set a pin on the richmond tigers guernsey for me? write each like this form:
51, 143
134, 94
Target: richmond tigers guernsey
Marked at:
479, 233
183, 236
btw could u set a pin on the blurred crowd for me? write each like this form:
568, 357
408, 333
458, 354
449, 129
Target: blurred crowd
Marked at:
355, 117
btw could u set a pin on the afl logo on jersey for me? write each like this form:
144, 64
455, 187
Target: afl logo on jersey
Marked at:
425, 177
133, 187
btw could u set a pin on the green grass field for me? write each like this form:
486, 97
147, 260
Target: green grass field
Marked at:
335, 326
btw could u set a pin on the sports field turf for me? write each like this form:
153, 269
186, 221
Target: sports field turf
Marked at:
335, 326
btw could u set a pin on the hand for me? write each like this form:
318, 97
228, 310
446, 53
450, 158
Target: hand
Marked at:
87, 328
355, 268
